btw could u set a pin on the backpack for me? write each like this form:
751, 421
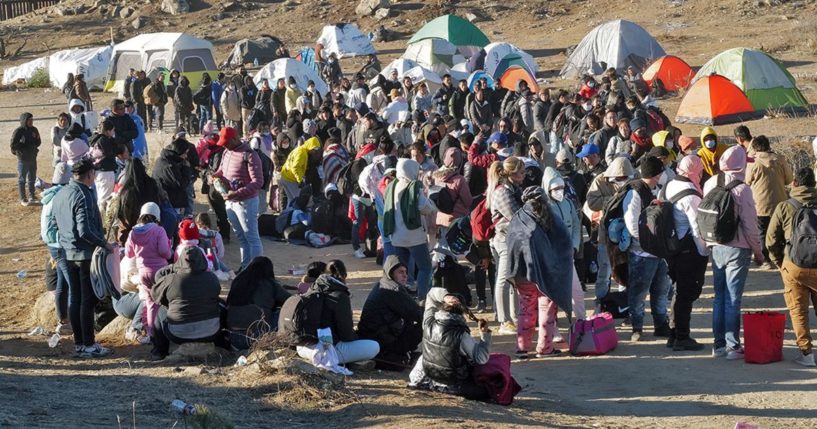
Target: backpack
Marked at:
616, 303
442, 198
345, 183
266, 167
256, 116
483, 226
656, 120
322, 218
300, 317
459, 235
450, 275
559, 122
656, 226
803, 241
717, 219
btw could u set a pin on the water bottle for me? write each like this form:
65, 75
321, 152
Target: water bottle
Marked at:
21, 274
54, 341
182, 407
255, 62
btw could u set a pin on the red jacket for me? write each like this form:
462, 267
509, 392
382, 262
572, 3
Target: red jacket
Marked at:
243, 170
480, 160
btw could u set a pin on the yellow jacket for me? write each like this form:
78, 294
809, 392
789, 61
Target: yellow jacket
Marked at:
291, 100
294, 168
659, 139
710, 158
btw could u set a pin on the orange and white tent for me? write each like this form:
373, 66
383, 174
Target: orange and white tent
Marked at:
514, 75
715, 100
673, 72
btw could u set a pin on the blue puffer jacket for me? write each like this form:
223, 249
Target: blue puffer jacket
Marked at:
78, 221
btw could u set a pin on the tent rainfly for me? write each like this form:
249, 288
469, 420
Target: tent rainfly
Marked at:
458, 31
497, 57
617, 44
344, 40
92, 63
402, 65
674, 73
438, 55
421, 74
513, 75
714, 100
283, 68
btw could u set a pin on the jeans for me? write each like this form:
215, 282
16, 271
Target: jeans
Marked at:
130, 307
219, 116
730, 266
763, 226
603, 276
348, 351
26, 173
62, 290
687, 270
243, 216
647, 275
82, 302
423, 261
191, 199
205, 114
505, 296
158, 113
361, 212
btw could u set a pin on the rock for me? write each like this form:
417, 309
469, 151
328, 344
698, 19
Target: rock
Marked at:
194, 370
175, 7
114, 332
368, 7
99, 3
103, 10
230, 6
471, 17
197, 352
126, 12
138, 23
44, 312
115, 10
382, 13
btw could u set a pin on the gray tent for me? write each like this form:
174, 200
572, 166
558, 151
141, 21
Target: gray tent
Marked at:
616, 44
246, 51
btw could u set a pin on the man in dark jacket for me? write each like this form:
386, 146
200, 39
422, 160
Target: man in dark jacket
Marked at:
391, 317
183, 100
140, 82
125, 130
456, 106
103, 149
377, 130
278, 108
541, 107
443, 95
188, 295
172, 174
25, 142
80, 232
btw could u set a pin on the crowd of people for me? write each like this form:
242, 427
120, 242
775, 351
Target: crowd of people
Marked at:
518, 182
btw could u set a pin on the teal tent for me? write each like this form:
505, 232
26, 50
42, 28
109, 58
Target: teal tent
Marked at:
461, 33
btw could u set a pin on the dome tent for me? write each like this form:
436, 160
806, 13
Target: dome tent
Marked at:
286, 67
513, 75
345, 40
436, 54
461, 33
402, 65
421, 74
763, 79
618, 44
673, 72
495, 58
714, 100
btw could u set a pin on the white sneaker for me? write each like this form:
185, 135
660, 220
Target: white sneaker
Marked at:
222, 276
95, 351
558, 338
734, 354
507, 328
359, 254
131, 334
719, 352
231, 275
806, 360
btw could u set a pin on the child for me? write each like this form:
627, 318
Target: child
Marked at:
189, 237
57, 133
210, 239
313, 271
148, 243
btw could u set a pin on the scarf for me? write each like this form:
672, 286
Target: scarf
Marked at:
409, 207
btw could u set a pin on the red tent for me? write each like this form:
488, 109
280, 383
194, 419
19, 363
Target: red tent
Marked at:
715, 100
674, 73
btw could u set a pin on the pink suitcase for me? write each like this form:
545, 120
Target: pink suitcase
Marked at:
593, 336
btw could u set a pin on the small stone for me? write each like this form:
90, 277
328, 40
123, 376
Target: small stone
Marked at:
368, 7
138, 23
175, 7
116, 10
471, 17
126, 12
382, 13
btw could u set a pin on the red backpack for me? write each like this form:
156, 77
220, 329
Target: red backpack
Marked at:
482, 226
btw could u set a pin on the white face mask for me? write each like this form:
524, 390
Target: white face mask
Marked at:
557, 194
710, 144
669, 144
620, 182
587, 107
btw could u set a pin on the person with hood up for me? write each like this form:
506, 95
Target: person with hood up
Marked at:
103, 153
392, 111
619, 144
337, 315
204, 100
391, 317
292, 95
279, 105
255, 295
68, 87
25, 143
188, 295
405, 209
247, 93
149, 245
449, 177
538, 243
564, 209
76, 108
280, 153
730, 261
170, 172
183, 102
139, 143
294, 170
799, 282
710, 152
58, 131
640, 138
666, 140
768, 176
50, 236
156, 95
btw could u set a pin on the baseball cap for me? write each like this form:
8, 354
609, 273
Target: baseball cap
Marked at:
498, 137
226, 134
587, 150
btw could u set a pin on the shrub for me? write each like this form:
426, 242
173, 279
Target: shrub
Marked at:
40, 79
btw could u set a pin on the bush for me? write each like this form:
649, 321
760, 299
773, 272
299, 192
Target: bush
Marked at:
40, 79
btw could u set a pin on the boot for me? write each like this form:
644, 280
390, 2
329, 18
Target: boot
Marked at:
671, 339
662, 330
683, 344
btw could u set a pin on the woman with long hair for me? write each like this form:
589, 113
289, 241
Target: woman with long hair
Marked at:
253, 302
138, 188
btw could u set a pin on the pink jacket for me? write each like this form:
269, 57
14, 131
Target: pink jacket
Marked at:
458, 186
733, 164
244, 169
149, 245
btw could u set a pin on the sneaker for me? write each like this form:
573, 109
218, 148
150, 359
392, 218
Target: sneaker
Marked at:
231, 275
363, 365
734, 353
95, 351
221, 276
636, 336
144, 340
687, 344
33, 201
507, 328
552, 353
719, 352
24, 203
78, 349
626, 322
662, 331
64, 329
521, 354
805, 360
558, 338
359, 254
481, 307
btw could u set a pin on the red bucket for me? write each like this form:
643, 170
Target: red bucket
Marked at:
763, 336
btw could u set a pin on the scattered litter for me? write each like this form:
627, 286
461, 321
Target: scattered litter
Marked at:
54, 341
21, 274
15, 259
37, 331
242, 361
182, 407
744, 425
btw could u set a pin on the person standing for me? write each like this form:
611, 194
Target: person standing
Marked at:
204, 99
241, 168
730, 261
138, 94
79, 227
800, 283
183, 100
81, 92
156, 96
216, 90
25, 143
103, 153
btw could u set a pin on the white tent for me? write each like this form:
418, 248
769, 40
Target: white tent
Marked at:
286, 67
421, 74
24, 71
618, 44
491, 56
439, 55
402, 65
190, 55
93, 63
345, 40
459, 71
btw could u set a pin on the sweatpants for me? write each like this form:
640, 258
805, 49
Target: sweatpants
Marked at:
799, 287
535, 311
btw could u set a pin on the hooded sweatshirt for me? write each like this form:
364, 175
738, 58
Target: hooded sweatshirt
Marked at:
450, 177
388, 308
407, 172
733, 166
294, 169
337, 308
710, 157
768, 177
73, 146
148, 243
48, 225
25, 140
564, 210
685, 210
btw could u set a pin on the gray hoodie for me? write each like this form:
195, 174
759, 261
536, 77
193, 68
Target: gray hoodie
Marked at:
564, 208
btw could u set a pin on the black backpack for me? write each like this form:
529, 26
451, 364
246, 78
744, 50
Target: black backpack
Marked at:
616, 303
345, 183
300, 317
717, 219
656, 226
442, 198
266, 167
450, 275
803, 241
323, 216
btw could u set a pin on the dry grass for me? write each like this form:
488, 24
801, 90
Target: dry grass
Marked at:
798, 152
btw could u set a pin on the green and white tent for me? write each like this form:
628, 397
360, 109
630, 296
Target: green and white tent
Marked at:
763, 79
435, 54
461, 33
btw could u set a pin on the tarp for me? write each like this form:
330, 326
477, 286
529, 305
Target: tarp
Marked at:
345, 40
673, 72
514, 75
714, 100
763, 79
618, 44
286, 67
476, 76
307, 56
24, 71
436, 54
490, 57
459, 31
93, 63
262, 48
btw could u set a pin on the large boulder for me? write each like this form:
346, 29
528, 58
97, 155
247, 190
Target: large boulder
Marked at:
44, 312
175, 7
114, 332
368, 7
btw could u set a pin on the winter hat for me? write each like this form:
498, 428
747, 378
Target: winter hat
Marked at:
281, 137
685, 142
620, 167
208, 128
188, 230
637, 123
658, 151
307, 124
334, 132
564, 156
151, 208
391, 165
499, 138
362, 108
75, 131
651, 167
533, 193
227, 134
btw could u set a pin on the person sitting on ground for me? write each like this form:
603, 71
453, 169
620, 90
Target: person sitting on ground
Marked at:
337, 315
313, 271
391, 317
253, 303
188, 295
210, 239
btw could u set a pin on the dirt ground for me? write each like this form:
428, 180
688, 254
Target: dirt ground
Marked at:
635, 386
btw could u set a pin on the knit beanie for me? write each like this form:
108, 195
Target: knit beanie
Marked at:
188, 230
651, 167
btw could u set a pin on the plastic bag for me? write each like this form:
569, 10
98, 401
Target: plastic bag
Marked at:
325, 355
